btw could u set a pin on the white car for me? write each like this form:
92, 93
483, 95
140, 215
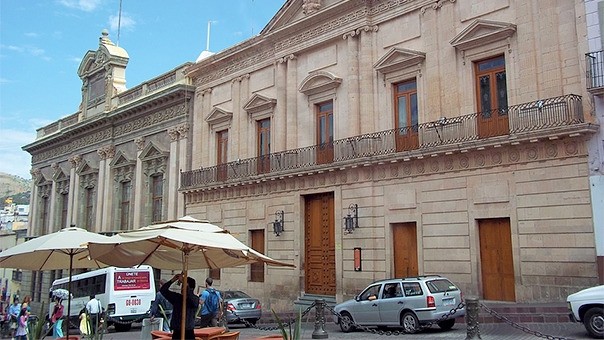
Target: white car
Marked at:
587, 306
410, 303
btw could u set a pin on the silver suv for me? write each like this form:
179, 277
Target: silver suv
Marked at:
410, 303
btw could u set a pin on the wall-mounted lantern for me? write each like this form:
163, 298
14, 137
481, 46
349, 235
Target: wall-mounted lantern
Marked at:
351, 220
278, 224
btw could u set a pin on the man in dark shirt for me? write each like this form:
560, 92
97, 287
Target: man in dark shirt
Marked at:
192, 302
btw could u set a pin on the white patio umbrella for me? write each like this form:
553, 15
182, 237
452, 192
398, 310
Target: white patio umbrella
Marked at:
178, 245
59, 250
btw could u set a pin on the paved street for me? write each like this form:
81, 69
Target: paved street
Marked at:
565, 330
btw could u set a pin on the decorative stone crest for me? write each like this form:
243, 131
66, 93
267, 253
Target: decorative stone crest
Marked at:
75, 161
183, 130
140, 143
311, 6
106, 152
173, 133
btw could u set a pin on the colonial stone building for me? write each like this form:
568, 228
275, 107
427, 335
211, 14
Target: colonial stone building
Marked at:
594, 66
114, 164
358, 139
369, 139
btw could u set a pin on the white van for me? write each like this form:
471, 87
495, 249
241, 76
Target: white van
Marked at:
125, 294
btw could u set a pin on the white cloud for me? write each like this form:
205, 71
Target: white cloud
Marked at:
15, 48
32, 35
4, 81
83, 5
15, 161
29, 49
126, 22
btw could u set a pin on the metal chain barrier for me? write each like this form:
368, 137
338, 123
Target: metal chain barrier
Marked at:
519, 326
275, 328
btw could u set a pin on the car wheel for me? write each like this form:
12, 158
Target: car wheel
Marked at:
346, 323
594, 322
410, 323
447, 324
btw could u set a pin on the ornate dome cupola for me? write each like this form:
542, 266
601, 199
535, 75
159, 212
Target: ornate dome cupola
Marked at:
103, 74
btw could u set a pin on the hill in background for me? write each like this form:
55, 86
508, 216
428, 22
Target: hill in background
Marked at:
16, 187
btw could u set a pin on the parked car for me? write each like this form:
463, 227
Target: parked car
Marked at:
587, 306
408, 303
240, 306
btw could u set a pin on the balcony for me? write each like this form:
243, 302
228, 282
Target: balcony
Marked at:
595, 72
541, 118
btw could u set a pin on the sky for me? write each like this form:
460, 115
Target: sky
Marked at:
42, 43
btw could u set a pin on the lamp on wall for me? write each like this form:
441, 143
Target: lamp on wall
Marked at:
351, 220
278, 224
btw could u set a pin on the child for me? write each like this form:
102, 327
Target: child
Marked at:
21, 333
84, 322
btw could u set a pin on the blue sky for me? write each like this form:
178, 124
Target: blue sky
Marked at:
42, 43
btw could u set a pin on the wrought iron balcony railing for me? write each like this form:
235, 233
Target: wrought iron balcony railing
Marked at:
533, 116
595, 71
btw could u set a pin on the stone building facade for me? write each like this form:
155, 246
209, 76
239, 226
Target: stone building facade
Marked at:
394, 138
594, 65
114, 164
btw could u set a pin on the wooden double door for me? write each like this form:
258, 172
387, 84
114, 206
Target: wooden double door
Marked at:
404, 246
319, 242
496, 259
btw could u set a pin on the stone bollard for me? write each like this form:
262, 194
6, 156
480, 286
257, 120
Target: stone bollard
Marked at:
472, 308
319, 332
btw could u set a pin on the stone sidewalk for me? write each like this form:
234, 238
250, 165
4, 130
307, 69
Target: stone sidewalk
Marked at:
492, 331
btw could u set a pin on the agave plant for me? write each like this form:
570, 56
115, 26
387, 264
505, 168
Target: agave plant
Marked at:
36, 329
295, 333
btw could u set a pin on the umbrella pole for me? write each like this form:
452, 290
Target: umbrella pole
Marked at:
69, 294
184, 296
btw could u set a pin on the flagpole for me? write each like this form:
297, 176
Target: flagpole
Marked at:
119, 23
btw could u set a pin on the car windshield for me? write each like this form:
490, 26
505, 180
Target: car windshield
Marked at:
440, 286
235, 294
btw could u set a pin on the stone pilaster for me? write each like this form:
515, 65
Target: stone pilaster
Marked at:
139, 191
292, 96
354, 113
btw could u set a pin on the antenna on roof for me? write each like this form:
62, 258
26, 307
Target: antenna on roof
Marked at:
208, 38
119, 23
206, 53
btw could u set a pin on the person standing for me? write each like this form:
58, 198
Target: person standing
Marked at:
13, 316
162, 308
211, 305
57, 319
94, 311
192, 302
84, 322
21, 333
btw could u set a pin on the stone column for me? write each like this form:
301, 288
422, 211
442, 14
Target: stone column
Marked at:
108, 211
34, 214
198, 123
139, 190
173, 172
291, 130
100, 189
367, 75
353, 116
53, 203
235, 132
182, 146
246, 150
279, 123
204, 155
74, 191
